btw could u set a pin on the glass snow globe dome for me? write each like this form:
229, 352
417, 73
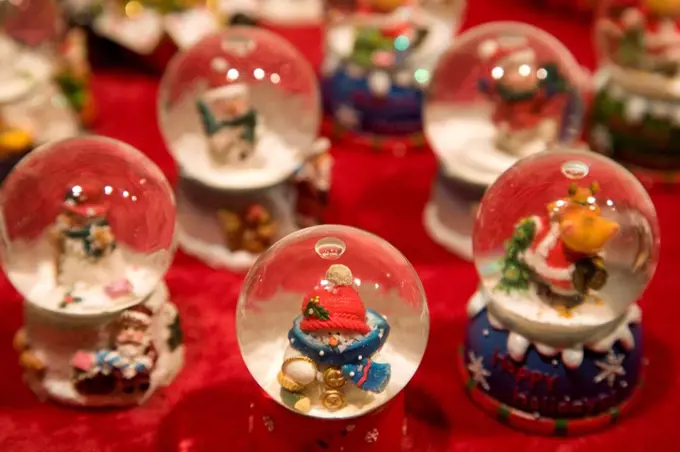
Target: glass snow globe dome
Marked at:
345, 301
503, 91
87, 226
241, 82
565, 242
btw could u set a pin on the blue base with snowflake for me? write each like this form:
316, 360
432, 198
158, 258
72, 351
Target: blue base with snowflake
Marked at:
543, 386
354, 103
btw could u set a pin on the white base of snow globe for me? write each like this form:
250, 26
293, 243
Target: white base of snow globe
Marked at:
53, 341
464, 140
201, 233
457, 243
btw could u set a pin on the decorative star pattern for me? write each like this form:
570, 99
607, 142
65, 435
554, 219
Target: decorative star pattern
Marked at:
610, 368
477, 371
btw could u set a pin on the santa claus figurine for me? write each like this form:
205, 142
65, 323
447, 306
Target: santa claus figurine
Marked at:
126, 367
561, 252
328, 364
525, 93
86, 246
230, 124
313, 185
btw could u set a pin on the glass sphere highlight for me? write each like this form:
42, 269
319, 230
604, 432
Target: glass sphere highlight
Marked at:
503, 90
565, 242
241, 74
325, 294
87, 226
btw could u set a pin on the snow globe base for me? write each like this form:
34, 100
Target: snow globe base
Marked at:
450, 215
115, 359
230, 228
275, 427
636, 129
547, 390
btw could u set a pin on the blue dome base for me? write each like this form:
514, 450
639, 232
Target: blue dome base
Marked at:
543, 395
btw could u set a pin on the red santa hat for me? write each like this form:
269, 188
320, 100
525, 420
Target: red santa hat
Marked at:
140, 315
86, 200
506, 50
338, 308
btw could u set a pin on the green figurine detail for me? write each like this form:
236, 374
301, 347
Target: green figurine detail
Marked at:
516, 273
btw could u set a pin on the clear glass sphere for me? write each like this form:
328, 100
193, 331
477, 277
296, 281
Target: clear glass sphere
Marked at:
565, 242
275, 297
87, 226
502, 91
241, 73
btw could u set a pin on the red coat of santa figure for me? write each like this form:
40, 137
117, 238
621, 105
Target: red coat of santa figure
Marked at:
564, 250
329, 366
527, 96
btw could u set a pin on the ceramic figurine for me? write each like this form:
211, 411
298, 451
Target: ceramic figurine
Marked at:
521, 93
377, 66
45, 91
634, 109
250, 172
99, 329
554, 339
353, 314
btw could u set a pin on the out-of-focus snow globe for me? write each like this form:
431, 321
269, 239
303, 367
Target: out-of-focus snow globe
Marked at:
332, 323
635, 112
379, 56
250, 170
87, 228
565, 244
44, 74
503, 91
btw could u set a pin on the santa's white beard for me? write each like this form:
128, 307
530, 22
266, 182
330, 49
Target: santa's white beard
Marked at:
132, 350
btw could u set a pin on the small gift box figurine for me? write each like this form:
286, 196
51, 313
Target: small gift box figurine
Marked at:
354, 316
553, 344
44, 94
250, 171
634, 116
379, 55
87, 234
501, 92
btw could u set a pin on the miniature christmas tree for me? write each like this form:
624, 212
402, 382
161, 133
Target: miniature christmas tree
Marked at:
515, 272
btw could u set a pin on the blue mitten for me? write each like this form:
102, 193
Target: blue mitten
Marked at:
368, 375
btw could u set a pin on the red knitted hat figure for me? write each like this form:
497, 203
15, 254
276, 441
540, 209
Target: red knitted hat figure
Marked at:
338, 308
86, 201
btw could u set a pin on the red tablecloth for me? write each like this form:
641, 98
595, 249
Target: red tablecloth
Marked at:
208, 404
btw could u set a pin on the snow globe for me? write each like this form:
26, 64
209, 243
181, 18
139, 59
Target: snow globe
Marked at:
44, 94
504, 90
554, 341
87, 233
379, 55
634, 115
250, 171
332, 323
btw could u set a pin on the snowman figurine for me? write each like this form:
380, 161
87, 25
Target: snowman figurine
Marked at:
526, 95
87, 251
328, 363
230, 123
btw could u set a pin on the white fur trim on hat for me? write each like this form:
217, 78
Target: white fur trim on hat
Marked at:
226, 92
137, 316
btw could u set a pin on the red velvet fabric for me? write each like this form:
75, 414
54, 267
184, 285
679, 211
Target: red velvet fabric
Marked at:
207, 408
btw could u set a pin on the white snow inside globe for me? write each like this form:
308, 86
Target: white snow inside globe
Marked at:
87, 226
503, 91
564, 242
240, 109
332, 322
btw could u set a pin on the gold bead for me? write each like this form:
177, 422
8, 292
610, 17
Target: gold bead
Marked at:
333, 378
333, 400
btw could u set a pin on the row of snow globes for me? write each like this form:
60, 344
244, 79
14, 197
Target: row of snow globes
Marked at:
332, 322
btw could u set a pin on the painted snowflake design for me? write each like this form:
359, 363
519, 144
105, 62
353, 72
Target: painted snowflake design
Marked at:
477, 371
268, 423
372, 436
610, 368
347, 116
601, 138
